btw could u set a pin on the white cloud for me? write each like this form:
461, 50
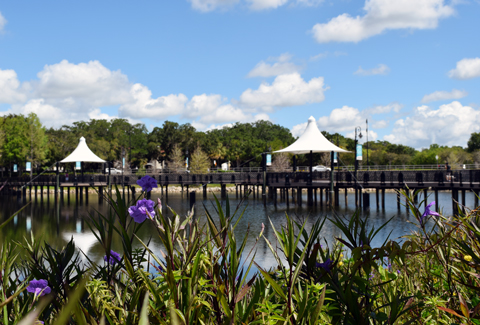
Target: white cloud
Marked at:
444, 95
380, 124
3, 22
341, 119
466, 69
324, 55
212, 109
281, 66
10, 88
285, 90
383, 15
143, 105
256, 5
298, 129
383, 109
211, 5
451, 125
381, 69
266, 4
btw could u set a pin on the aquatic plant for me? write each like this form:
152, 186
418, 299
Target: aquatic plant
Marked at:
204, 275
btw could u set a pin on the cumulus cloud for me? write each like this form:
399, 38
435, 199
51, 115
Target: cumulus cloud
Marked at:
450, 124
265, 4
211, 5
466, 69
444, 95
281, 65
285, 90
381, 69
324, 55
341, 119
10, 88
382, 15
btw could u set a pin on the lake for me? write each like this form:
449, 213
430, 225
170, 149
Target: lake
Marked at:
42, 220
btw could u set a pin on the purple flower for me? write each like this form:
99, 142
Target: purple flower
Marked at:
38, 322
113, 259
147, 183
327, 265
428, 212
39, 287
398, 271
143, 209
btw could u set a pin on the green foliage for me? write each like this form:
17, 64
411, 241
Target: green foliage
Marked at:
199, 162
203, 272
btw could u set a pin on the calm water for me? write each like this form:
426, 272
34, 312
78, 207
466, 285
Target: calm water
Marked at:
42, 220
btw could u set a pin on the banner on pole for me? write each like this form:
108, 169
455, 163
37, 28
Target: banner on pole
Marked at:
335, 157
28, 167
15, 169
269, 159
359, 151
123, 162
78, 165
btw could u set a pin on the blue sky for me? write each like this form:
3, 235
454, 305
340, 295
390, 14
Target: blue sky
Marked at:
411, 67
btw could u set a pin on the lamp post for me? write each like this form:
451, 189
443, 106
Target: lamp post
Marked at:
368, 165
358, 131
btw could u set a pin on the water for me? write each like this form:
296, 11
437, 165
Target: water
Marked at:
42, 221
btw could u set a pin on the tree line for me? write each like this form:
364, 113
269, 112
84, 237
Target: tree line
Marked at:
24, 139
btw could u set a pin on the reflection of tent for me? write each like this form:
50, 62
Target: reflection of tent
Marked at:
82, 153
83, 241
311, 141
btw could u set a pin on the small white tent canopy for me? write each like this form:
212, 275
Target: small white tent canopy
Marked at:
82, 153
312, 140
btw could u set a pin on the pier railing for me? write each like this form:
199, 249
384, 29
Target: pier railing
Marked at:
344, 178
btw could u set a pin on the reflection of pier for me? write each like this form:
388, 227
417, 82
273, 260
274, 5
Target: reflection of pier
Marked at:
287, 186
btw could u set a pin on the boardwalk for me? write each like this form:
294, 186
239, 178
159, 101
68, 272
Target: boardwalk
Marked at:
276, 184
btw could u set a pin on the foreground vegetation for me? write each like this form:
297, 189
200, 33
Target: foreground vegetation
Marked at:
204, 275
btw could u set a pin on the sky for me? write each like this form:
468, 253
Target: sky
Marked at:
411, 67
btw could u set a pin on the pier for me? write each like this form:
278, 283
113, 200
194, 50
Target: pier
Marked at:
286, 186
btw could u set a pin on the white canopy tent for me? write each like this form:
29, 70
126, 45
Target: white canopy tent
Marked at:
311, 141
82, 153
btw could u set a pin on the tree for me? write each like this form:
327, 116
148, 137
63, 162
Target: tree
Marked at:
474, 142
281, 162
176, 163
199, 162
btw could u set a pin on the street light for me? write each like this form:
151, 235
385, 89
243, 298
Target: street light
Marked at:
358, 130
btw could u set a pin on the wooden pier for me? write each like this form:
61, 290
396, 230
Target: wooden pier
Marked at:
286, 186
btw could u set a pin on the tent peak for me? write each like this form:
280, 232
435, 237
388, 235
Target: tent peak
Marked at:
311, 119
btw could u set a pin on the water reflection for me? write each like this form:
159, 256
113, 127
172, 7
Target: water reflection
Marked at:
57, 222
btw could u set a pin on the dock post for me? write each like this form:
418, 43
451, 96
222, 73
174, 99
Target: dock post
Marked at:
86, 194
366, 201
377, 197
436, 199
76, 194
463, 200
204, 187
192, 200
286, 196
398, 200
309, 197
68, 194
454, 203
383, 199
100, 194
41, 193
299, 196
315, 196
425, 195
321, 196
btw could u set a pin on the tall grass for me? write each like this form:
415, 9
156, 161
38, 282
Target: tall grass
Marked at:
204, 275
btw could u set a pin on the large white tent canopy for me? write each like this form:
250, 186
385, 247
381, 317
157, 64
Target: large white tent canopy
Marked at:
312, 140
82, 153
